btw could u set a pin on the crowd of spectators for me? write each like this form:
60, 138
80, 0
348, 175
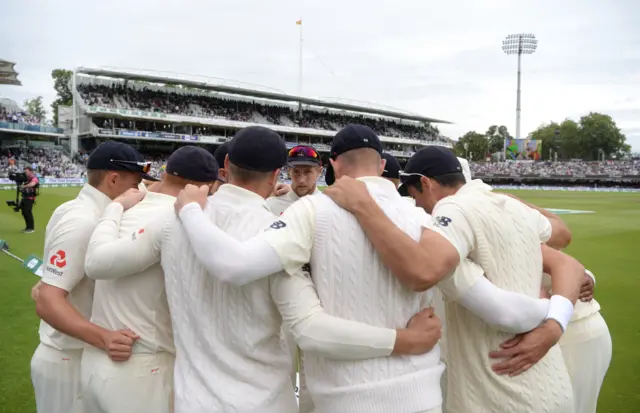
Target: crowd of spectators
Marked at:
17, 117
46, 162
545, 169
202, 104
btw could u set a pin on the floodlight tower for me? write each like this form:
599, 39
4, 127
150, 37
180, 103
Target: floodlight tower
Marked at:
519, 44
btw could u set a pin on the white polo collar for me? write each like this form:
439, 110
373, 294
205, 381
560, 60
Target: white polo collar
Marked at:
235, 194
94, 196
380, 184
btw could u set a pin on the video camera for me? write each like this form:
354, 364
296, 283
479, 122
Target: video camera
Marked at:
19, 178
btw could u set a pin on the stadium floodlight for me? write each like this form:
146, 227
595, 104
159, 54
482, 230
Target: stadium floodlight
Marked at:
521, 43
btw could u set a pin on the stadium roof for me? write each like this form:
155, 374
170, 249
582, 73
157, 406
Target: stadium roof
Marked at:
156, 77
8, 75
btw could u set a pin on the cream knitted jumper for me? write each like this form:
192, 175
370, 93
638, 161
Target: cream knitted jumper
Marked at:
353, 284
508, 249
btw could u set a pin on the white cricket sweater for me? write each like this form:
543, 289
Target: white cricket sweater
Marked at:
278, 204
353, 284
508, 249
229, 354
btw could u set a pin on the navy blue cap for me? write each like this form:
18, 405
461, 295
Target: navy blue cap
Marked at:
118, 156
303, 155
221, 153
257, 148
431, 161
392, 167
349, 138
193, 163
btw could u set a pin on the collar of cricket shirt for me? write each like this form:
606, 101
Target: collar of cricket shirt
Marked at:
475, 185
380, 184
236, 194
96, 197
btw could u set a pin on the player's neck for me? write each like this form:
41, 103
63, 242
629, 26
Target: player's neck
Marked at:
166, 188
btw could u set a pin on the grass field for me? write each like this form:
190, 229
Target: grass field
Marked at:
606, 242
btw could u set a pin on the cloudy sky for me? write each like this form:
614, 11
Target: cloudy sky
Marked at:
439, 59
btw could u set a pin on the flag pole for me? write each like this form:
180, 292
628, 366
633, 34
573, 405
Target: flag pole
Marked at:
299, 22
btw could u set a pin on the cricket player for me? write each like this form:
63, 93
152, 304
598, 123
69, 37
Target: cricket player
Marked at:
239, 363
314, 229
305, 167
503, 236
65, 296
124, 242
586, 346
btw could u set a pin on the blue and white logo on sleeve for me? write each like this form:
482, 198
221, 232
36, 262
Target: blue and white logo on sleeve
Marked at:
442, 221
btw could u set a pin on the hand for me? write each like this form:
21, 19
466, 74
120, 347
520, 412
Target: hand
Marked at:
35, 291
348, 193
586, 289
425, 330
130, 198
525, 350
281, 189
119, 344
192, 193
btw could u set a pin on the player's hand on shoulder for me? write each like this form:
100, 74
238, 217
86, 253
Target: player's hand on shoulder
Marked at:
281, 189
130, 198
524, 350
348, 193
192, 193
119, 344
426, 328
586, 288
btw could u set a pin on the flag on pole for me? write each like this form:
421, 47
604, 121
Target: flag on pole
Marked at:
299, 22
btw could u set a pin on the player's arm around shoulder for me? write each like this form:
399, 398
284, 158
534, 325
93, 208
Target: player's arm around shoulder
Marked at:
63, 272
316, 331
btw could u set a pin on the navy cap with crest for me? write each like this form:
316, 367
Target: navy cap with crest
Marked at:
257, 148
349, 138
430, 162
193, 163
391, 167
118, 156
221, 153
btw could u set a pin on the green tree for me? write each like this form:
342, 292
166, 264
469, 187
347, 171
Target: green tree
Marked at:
62, 85
598, 132
496, 136
35, 108
472, 145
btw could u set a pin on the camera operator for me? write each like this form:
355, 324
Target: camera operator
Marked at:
29, 192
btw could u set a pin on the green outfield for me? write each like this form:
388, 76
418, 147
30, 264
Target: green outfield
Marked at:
607, 242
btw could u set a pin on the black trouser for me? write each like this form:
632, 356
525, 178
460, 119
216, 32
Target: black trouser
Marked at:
27, 212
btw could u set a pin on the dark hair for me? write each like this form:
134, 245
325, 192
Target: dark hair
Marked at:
451, 180
28, 168
447, 180
245, 175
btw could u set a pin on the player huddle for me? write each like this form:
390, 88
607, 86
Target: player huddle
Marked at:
195, 293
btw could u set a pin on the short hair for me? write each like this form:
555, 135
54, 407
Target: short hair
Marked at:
246, 175
28, 168
95, 176
451, 180
361, 155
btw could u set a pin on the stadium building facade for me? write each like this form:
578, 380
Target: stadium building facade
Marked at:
172, 111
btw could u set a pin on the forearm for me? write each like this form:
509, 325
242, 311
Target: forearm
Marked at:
506, 310
223, 256
109, 256
61, 315
566, 278
414, 265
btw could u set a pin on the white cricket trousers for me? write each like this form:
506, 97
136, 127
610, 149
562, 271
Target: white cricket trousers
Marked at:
142, 384
586, 348
55, 375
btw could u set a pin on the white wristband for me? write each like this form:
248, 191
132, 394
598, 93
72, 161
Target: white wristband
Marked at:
561, 310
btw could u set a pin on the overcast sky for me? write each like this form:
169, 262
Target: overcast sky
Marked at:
439, 59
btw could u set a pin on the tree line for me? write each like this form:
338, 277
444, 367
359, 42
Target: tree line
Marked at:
593, 136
